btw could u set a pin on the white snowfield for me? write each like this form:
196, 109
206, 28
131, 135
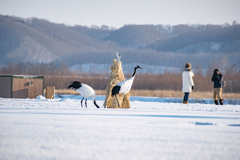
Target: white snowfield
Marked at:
59, 129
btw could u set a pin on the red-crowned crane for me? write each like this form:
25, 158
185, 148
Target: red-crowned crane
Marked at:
85, 90
124, 86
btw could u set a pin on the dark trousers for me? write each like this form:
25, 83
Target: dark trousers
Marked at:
185, 98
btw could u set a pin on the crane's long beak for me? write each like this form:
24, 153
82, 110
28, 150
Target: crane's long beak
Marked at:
141, 67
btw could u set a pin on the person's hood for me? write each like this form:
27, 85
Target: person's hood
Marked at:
187, 69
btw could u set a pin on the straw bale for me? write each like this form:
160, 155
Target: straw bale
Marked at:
116, 76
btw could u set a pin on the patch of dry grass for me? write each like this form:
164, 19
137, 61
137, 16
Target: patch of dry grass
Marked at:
159, 93
70, 91
171, 93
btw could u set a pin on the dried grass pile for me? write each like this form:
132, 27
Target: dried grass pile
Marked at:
116, 76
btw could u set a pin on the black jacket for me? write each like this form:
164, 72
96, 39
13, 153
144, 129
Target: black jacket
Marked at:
217, 79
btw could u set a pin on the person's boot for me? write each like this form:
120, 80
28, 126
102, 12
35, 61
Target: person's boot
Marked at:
216, 102
221, 101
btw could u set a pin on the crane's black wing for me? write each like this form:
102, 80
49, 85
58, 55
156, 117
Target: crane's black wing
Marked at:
75, 85
115, 90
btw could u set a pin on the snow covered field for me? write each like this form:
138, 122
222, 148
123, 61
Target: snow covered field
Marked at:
61, 129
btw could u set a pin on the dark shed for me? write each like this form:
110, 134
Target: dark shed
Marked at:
21, 86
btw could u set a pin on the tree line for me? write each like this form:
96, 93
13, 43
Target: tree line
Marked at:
59, 75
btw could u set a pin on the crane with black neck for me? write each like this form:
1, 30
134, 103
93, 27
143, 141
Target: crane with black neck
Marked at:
124, 86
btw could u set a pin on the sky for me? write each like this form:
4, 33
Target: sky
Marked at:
118, 13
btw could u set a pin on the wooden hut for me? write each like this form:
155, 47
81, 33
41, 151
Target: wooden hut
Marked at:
21, 86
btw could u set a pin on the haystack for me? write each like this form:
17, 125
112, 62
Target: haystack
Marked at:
116, 76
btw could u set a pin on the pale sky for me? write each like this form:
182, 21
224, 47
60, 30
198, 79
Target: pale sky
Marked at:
117, 13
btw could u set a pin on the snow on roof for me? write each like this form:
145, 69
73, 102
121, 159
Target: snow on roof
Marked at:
22, 76
27, 76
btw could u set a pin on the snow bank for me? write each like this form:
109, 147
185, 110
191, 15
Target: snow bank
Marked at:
60, 129
155, 99
40, 97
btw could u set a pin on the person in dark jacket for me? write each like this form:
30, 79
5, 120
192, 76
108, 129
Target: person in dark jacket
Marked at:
217, 86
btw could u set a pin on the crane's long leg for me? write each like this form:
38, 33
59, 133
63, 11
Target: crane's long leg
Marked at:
96, 104
81, 102
117, 101
86, 102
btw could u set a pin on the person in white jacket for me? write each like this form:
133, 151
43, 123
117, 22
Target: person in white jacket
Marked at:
187, 82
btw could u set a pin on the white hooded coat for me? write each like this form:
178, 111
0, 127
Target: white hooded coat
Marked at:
187, 81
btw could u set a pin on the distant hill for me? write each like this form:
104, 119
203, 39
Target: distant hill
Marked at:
36, 40
207, 39
40, 41
138, 36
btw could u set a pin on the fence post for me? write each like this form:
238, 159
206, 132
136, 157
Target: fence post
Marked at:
50, 91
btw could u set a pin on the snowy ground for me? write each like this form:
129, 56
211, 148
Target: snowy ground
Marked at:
61, 129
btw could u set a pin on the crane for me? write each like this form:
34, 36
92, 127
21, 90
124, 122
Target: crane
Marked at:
124, 86
85, 90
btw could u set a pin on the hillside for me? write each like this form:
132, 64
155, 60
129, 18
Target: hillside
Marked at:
210, 39
40, 41
35, 40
